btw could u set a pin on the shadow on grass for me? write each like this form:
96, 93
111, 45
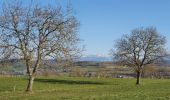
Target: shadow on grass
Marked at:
57, 81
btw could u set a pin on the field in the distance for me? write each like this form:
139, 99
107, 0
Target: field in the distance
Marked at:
66, 88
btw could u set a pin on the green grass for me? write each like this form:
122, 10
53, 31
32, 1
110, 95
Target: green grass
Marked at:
65, 88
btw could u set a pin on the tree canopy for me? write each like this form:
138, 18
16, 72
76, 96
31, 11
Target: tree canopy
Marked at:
142, 47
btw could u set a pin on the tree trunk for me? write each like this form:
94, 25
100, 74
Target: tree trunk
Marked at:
138, 78
30, 83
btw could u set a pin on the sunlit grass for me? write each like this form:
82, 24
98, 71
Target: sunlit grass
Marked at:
66, 88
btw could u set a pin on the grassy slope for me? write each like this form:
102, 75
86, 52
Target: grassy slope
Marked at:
84, 89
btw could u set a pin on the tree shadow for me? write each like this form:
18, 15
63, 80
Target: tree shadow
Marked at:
57, 81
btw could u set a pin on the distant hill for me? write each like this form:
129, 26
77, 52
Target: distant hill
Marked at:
96, 58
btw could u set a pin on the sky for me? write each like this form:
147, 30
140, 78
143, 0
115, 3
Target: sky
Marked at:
102, 22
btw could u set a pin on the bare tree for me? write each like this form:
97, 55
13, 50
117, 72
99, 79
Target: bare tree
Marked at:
142, 47
36, 33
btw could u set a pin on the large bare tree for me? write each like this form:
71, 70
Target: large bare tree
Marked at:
140, 48
34, 33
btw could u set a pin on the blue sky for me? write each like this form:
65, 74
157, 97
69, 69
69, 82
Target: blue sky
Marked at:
104, 21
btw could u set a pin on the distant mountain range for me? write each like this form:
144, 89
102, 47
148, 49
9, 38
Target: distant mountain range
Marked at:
101, 58
96, 58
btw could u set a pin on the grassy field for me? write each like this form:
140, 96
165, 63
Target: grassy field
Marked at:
65, 88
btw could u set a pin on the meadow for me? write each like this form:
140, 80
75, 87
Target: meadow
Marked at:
67, 88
